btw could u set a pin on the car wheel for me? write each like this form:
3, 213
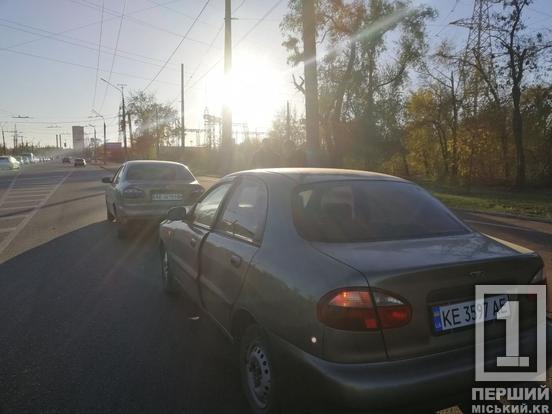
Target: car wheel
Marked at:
257, 372
122, 225
110, 216
166, 275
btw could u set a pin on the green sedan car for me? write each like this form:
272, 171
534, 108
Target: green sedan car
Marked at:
344, 289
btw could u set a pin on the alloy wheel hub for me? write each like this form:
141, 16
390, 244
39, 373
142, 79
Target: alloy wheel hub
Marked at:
258, 375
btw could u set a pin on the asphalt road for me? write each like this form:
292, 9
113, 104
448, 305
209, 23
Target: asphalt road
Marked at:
84, 324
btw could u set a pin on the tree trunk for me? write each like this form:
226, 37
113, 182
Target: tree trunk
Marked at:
311, 83
337, 155
517, 127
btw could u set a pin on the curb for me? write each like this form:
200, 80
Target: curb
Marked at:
505, 215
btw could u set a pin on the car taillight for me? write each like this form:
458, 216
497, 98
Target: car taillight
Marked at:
132, 192
363, 310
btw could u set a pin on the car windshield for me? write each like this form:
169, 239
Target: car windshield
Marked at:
369, 210
158, 172
4, 159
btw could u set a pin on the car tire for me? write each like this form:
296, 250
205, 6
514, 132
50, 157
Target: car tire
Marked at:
110, 217
167, 278
122, 226
257, 373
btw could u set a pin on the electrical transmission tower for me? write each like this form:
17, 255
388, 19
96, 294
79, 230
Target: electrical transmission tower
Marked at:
478, 58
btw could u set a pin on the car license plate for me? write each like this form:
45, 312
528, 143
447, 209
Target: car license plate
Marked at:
166, 197
462, 314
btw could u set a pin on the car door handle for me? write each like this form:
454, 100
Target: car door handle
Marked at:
235, 260
193, 242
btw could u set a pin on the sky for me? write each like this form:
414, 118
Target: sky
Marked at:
53, 54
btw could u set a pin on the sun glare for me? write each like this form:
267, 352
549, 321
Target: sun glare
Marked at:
254, 90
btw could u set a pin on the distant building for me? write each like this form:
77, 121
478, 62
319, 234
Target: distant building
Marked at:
78, 138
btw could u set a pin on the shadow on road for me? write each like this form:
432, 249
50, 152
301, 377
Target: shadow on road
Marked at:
86, 328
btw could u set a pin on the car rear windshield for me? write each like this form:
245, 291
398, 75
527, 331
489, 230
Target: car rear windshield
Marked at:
159, 172
369, 210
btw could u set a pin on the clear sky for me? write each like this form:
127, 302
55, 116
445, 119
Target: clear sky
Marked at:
51, 61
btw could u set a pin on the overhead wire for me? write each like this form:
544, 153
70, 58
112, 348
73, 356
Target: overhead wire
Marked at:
179, 44
253, 28
104, 48
99, 57
115, 54
84, 26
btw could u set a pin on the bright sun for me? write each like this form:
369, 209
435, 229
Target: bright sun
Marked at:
256, 90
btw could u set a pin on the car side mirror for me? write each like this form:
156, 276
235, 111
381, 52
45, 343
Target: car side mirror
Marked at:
107, 180
177, 213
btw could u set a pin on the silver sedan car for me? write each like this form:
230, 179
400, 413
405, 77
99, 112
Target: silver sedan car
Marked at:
146, 190
344, 289
9, 163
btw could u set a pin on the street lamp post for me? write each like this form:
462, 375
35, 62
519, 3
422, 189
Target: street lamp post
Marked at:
94, 147
120, 89
104, 136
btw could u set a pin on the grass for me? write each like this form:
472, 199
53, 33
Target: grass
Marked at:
532, 203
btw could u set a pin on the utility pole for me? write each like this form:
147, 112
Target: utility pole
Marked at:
311, 82
182, 124
227, 110
157, 130
130, 129
3, 141
14, 136
124, 120
288, 122
105, 144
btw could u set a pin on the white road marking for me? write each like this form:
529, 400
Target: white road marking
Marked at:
7, 230
19, 216
13, 234
501, 225
9, 188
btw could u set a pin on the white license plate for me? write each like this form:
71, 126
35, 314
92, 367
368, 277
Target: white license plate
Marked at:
462, 314
166, 197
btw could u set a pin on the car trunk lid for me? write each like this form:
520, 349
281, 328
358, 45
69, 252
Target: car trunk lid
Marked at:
181, 192
435, 272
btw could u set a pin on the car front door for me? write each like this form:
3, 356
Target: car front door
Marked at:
229, 248
189, 235
110, 195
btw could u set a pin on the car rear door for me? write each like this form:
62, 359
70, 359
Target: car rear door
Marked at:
189, 235
229, 248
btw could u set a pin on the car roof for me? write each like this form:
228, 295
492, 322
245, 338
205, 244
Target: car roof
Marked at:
141, 162
311, 175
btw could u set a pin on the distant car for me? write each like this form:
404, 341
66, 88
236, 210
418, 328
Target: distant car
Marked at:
66, 160
343, 283
146, 190
20, 159
9, 163
80, 162
30, 156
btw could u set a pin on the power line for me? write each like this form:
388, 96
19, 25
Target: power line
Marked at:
257, 24
179, 44
115, 54
180, 13
99, 56
84, 26
80, 65
214, 40
103, 47
137, 21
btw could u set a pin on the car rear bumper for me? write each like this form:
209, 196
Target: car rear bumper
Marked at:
434, 381
146, 211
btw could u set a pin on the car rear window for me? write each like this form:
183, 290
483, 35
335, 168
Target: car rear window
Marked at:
155, 172
369, 210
